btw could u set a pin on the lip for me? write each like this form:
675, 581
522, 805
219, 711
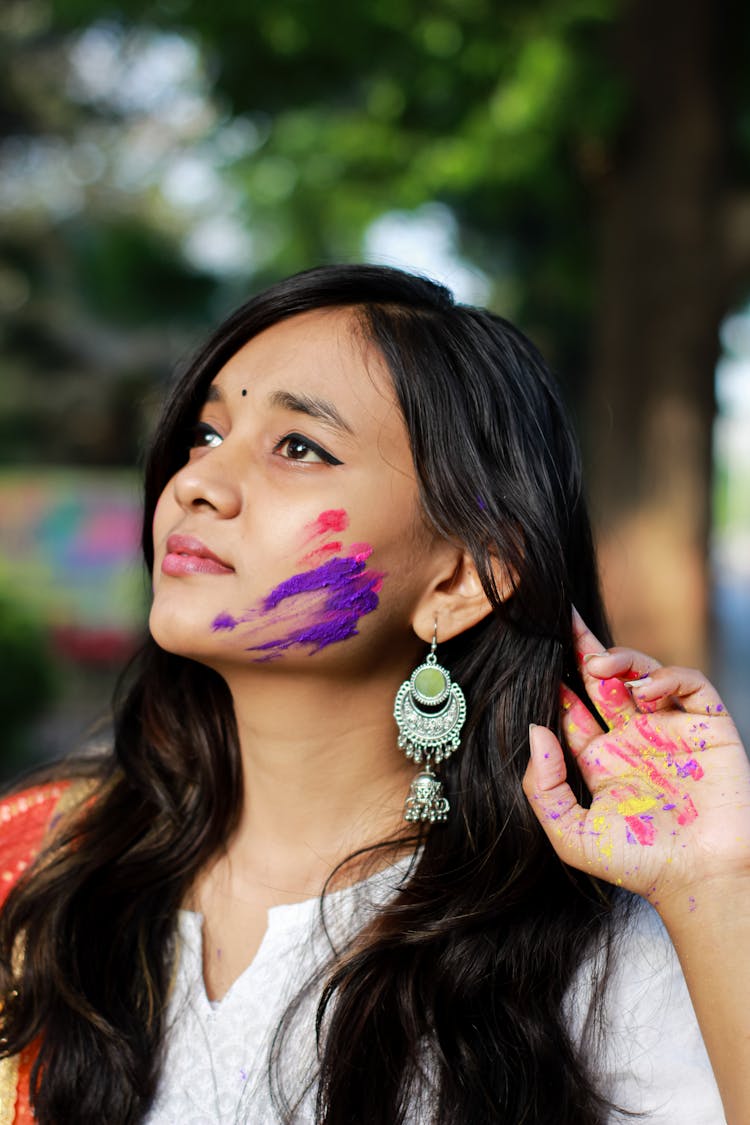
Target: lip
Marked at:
187, 555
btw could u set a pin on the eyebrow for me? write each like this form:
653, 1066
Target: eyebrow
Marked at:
312, 406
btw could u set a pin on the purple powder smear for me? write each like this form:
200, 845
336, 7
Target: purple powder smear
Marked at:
351, 592
690, 769
224, 621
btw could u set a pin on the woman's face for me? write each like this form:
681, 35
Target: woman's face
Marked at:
293, 533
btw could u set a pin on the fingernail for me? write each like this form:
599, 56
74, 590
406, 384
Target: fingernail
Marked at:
637, 683
590, 656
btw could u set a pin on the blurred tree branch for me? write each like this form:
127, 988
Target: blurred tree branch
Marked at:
595, 154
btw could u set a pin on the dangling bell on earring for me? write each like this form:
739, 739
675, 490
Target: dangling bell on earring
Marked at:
426, 800
430, 711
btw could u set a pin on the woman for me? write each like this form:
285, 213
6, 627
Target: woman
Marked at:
359, 485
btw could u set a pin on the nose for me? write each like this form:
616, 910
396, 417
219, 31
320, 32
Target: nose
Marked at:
207, 483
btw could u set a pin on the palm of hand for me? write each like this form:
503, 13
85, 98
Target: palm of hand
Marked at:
669, 780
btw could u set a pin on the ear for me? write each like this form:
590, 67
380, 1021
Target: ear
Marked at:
456, 599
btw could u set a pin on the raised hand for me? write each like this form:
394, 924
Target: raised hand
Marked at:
669, 779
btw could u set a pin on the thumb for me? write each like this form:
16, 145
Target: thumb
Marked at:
546, 787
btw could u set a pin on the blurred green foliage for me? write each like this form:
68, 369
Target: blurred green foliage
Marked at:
314, 120
135, 128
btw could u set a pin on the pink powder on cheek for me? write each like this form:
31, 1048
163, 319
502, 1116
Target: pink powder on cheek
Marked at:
320, 553
360, 552
333, 520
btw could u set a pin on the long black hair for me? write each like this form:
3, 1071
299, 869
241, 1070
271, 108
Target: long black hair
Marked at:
465, 972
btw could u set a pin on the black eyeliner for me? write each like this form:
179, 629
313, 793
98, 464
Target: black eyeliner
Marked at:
313, 445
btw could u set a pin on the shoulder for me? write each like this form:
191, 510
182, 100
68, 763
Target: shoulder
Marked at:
26, 819
650, 1053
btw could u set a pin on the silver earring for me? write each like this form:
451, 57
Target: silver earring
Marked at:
429, 732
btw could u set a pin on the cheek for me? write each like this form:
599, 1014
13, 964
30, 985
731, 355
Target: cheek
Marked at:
321, 604
165, 519
309, 611
163, 516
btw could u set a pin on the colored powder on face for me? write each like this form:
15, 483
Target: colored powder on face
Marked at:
351, 593
360, 551
331, 574
224, 621
334, 520
323, 552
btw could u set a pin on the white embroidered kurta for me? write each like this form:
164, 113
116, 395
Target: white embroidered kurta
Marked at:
216, 1063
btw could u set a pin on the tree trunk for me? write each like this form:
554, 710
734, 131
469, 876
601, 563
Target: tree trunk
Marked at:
660, 302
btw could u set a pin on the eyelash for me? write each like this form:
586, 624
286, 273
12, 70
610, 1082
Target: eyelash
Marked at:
313, 446
202, 431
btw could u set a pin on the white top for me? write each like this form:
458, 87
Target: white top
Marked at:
215, 1069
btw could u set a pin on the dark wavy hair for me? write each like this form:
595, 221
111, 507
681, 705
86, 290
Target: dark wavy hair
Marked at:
465, 972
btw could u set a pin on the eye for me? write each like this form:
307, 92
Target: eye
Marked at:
203, 436
296, 447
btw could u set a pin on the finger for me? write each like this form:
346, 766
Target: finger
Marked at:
579, 725
686, 686
608, 694
583, 737
551, 798
625, 663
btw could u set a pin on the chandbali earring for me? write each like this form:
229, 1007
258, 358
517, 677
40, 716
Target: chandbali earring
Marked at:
430, 711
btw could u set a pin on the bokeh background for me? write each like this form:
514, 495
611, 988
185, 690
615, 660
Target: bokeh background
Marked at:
580, 166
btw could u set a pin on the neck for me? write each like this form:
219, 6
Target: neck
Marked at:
322, 774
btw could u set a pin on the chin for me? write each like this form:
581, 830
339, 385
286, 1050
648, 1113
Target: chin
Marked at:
175, 632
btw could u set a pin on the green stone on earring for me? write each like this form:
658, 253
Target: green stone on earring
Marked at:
430, 682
